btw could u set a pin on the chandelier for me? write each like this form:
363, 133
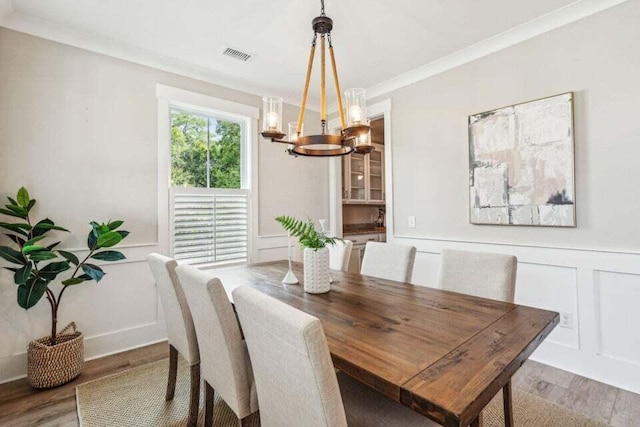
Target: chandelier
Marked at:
354, 135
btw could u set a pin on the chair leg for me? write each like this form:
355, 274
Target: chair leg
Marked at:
173, 372
209, 395
194, 399
508, 405
243, 422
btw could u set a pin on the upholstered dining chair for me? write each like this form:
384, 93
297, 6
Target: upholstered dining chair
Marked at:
479, 274
296, 382
180, 330
340, 255
483, 275
224, 360
388, 261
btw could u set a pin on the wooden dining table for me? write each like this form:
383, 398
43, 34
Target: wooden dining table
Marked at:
443, 354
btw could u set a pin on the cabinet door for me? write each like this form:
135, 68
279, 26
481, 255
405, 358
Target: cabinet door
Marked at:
357, 178
376, 175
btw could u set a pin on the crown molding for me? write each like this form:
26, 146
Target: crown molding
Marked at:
543, 24
95, 43
99, 44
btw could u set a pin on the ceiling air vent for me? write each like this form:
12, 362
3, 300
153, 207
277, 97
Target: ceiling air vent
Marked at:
237, 54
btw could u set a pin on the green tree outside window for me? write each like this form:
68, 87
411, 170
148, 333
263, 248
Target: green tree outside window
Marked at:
205, 152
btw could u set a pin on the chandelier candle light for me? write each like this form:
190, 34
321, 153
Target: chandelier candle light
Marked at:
354, 127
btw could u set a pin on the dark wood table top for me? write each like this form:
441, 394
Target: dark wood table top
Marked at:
441, 353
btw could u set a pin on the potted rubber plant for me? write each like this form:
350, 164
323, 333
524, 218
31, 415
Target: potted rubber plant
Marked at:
36, 265
316, 252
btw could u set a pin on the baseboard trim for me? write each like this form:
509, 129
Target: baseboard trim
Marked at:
615, 372
14, 367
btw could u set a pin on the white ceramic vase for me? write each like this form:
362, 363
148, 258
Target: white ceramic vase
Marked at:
316, 271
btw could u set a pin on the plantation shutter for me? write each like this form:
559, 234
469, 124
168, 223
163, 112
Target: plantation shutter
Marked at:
210, 226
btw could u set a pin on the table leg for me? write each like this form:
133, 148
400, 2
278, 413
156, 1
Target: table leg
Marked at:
477, 422
508, 406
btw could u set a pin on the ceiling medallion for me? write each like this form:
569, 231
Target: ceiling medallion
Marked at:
354, 136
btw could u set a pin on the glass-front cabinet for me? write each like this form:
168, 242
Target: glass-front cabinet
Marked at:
376, 177
363, 177
356, 188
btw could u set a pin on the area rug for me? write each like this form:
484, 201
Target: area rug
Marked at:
136, 398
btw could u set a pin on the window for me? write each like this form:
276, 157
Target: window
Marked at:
210, 201
206, 152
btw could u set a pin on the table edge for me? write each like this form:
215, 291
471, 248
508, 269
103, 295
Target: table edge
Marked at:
467, 415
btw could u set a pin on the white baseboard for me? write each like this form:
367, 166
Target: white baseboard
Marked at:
14, 367
619, 373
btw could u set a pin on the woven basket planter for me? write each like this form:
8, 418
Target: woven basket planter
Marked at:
53, 365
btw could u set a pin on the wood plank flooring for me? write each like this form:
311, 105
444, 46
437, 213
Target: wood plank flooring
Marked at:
22, 406
602, 402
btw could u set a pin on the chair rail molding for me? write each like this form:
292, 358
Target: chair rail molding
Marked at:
598, 289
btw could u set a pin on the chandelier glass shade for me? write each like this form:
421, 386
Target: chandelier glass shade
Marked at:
272, 121
354, 131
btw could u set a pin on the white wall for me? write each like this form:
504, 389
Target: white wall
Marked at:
592, 271
79, 130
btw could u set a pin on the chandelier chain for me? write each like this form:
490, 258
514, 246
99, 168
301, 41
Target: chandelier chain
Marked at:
322, 7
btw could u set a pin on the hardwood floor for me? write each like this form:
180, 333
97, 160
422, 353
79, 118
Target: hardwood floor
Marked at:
22, 406
596, 400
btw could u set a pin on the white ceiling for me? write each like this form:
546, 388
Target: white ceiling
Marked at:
374, 40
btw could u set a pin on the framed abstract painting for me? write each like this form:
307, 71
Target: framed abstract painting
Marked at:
521, 164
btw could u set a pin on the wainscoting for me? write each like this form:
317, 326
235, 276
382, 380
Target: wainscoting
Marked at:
272, 248
599, 289
598, 292
120, 313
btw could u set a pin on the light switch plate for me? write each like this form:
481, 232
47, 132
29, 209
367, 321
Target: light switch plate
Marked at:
412, 221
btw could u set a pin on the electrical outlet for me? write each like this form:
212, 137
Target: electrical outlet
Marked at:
566, 320
412, 221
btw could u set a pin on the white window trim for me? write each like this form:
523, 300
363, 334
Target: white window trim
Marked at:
170, 96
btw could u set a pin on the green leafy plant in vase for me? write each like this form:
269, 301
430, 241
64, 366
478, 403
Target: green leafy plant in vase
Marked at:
316, 252
37, 265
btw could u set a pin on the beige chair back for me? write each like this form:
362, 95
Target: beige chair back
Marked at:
340, 255
388, 261
479, 274
224, 359
180, 329
296, 382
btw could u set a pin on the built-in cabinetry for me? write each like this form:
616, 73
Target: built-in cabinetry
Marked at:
363, 177
359, 244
